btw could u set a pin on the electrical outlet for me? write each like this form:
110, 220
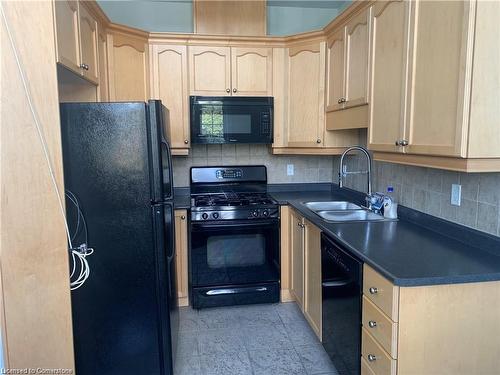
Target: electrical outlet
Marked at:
456, 194
289, 170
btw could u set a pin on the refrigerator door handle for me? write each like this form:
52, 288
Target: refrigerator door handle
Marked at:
170, 166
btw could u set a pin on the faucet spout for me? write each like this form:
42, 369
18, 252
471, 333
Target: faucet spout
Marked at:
343, 172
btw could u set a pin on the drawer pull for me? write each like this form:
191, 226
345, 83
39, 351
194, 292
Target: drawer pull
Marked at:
372, 323
371, 358
373, 290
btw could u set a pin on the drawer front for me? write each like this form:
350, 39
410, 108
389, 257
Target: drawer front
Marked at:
381, 292
365, 368
376, 357
383, 329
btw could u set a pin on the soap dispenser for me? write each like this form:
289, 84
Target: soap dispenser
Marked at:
390, 205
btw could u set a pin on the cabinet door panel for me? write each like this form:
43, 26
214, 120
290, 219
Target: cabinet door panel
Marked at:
438, 123
67, 34
312, 277
388, 71
335, 71
210, 70
306, 114
356, 78
129, 68
170, 84
103, 66
297, 259
181, 256
88, 40
251, 71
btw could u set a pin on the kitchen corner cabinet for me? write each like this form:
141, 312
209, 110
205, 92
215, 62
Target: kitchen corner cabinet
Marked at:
230, 71
128, 66
181, 256
403, 326
305, 268
76, 39
347, 74
169, 82
434, 100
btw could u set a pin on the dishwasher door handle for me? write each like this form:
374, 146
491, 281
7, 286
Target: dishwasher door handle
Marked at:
336, 283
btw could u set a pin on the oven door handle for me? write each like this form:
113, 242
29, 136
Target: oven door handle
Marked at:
335, 283
234, 224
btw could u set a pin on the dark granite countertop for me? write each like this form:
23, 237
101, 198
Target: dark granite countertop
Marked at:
407, 251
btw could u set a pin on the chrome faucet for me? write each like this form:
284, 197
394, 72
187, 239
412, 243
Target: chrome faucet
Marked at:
343, 170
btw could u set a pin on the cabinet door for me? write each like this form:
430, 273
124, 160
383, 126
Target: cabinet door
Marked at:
312, 278
388, 74
170, 84
103, 65
356, 70
67, 34
88, 43
306, 95
441, 41
128, 68
335, 71
209, 70
297, 257
181, 256
251, 71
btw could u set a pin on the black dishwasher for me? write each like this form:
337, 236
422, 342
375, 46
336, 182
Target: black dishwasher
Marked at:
342, 280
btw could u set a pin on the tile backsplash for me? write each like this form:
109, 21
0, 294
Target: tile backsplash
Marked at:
429, 190
306, 168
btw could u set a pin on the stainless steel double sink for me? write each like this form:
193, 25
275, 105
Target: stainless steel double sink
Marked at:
342, 211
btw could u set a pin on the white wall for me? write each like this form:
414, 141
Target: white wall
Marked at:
293, 20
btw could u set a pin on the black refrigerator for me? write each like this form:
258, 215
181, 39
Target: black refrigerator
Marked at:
117, 164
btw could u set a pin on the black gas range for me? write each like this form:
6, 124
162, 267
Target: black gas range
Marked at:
234, 231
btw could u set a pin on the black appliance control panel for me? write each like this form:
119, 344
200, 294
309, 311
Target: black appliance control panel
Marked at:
228, 173
239, 214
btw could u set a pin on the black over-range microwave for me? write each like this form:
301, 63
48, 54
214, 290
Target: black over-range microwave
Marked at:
231, 119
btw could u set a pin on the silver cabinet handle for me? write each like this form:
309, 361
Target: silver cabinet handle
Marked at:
373, 290
318, 140
301, 225
183, 217
234, 90
228, 90
404, 142
372, 323
186, 141
84, 66
398, 143
371, 357
339, 101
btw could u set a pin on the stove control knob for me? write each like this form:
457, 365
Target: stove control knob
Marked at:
215, 215
255, 213
204, 216
265, 213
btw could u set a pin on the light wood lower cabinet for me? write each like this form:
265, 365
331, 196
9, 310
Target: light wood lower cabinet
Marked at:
181, 256
169, 82
440, 329
301, 266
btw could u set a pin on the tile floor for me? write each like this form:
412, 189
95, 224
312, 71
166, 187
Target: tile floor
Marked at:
269, 339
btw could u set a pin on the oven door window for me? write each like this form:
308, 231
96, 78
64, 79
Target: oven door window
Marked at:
234, 254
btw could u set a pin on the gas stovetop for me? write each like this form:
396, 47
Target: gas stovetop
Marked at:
231, 193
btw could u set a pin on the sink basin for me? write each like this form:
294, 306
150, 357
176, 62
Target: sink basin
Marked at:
349, 215
331, 206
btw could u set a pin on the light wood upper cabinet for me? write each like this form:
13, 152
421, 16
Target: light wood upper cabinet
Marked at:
128, 67
67, 34
102, 51
312, 278
297, 257
181, 256
306, 90
210, 70
356, 60
437, 118
169, 82
388, 74
88, 45
251, 71
335, 71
